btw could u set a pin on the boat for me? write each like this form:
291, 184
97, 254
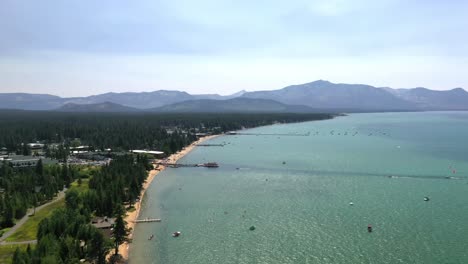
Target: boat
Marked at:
426, 199
151, 237
176, 234
210, 165
351, 203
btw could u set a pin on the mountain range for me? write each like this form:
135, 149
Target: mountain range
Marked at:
105, 107
239, 104
310, 97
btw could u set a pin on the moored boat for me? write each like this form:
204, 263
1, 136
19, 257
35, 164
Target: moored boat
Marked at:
211, 165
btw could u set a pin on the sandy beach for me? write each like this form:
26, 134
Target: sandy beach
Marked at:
132, 216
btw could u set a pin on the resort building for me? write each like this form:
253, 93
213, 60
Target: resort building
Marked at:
152, 152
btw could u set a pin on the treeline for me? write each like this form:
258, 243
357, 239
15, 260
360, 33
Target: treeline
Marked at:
23, 188
118, 183
65, 237
68, 237
127, 131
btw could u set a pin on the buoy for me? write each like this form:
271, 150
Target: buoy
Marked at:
369, 228
252, 228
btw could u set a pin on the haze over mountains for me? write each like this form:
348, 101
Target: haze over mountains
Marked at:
310, 97
239, 104
105, 107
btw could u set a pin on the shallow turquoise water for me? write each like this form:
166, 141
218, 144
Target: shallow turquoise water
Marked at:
301, 209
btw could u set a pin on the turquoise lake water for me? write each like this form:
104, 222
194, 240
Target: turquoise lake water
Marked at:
384, 163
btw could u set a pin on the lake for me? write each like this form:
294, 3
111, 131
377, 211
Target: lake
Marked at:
296, 191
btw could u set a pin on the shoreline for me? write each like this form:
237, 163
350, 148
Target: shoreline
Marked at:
132, 216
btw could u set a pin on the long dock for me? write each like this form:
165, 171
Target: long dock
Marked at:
147, 220
273, 134
211, 145
176, 165
179, 165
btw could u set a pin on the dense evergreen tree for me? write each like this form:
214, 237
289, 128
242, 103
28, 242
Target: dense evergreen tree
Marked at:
117, 183
120, 228
39, 168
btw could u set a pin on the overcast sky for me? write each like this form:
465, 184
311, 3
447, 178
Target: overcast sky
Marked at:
84, 47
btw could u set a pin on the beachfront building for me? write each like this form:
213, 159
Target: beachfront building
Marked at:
151, 152
105, 224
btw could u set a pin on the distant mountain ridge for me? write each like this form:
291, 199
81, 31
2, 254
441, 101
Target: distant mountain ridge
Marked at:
358, 97
423, 98
238, 104
108, 107
27, 101
317, 95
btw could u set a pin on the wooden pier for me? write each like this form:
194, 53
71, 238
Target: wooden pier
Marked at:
274, 134
179, 165
147, 220
175, 165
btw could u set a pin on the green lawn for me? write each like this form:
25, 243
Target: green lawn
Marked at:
28, 231
6, 252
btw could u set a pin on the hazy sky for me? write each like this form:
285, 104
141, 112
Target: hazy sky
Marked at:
83, 47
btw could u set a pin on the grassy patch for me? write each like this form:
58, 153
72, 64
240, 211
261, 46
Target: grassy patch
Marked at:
28, 231
87, 171
7, 251
80, 187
